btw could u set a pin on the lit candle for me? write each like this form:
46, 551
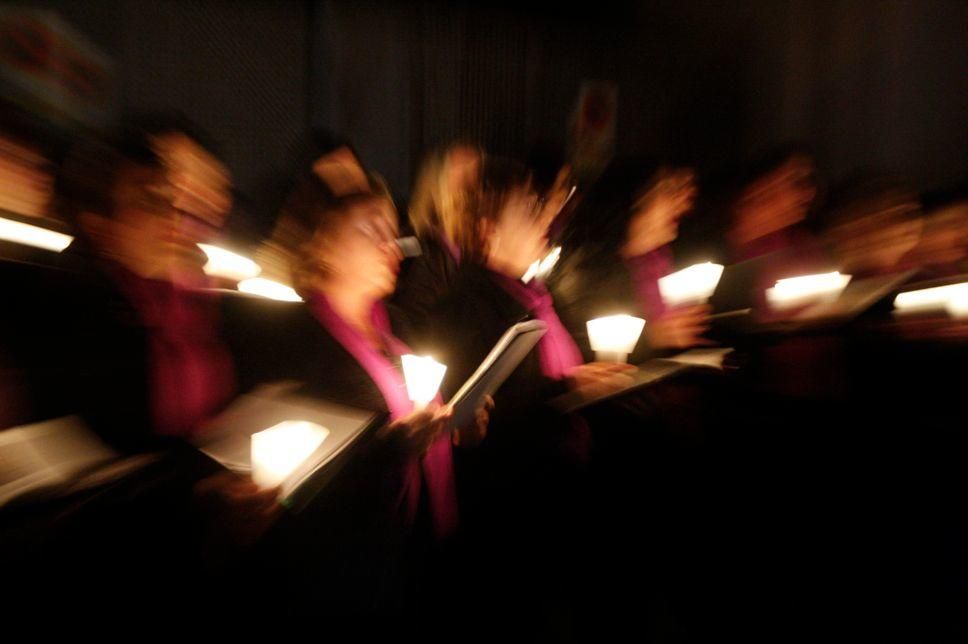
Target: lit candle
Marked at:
613, 337
958, 306
692, 285
279, 450
939, 297
270, 289
806, 289
423, 375
229, 265
35, 236
541, 268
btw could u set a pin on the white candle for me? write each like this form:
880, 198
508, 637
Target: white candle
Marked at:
806, 289
541, 268
613, 337
279, 450
35, 236
957, 305
232, 266
692, 285
938, 297
423, 375
270, 289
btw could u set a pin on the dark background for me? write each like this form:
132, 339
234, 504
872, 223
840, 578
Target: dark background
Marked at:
879, 85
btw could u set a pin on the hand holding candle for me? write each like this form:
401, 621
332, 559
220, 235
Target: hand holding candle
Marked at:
415, 433
680, 328
596, 379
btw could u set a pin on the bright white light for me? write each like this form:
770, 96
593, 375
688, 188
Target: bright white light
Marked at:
548, 262
693, 285
938, 297
614, 337
958, 305
279, 450
806, 289
540, 268
224, 263
423, 375
35, 236
531, 272
270, 289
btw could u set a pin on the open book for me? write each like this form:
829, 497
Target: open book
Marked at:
648, 373
286, 439
300, 443
58, 457
857, 297
503, 359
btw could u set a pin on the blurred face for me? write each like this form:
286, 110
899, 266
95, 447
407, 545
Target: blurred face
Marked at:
201, 185
143, 227
360, 249
777, 200
945, 236
655, 220
518, 235
26, 184
342, 172
463, 169
879, 241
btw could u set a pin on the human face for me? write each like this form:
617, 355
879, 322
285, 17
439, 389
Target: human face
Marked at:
360, 250
518, 235
655, 220
463, 169
143, 227
778, 200
201, 185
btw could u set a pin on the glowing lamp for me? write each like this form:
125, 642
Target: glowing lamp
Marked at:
693, 285
279, 450
540, 268
228, 265
423, 375
958, 305
270, 289
613, 337
28, 235
938, 297
806, 289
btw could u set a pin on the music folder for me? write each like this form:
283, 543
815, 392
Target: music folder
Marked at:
58, 457
338, 431
648, 373
516, 343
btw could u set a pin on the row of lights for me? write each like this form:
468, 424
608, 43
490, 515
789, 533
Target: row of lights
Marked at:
694, 284
221, 262
278, 451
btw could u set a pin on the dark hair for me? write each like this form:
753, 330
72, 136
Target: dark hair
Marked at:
861, 197
86, 178
159, 123
944, 198
770, 161
500, 176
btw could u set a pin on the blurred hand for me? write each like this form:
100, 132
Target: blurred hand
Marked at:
600, 378
473, 434
239, 508
679, 328
557, 196
415, 432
